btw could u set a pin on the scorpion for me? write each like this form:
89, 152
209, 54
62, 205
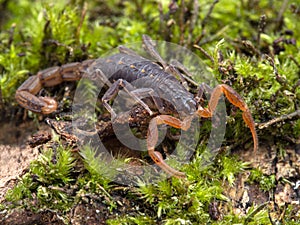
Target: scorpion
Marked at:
139, 77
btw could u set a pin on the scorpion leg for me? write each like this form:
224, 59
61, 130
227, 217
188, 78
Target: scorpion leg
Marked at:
149, 92
125, 50
152, 139
202, 88
99, 76
114, 89
235, 99
149, 46
186, 75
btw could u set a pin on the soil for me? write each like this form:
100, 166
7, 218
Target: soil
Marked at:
16, 155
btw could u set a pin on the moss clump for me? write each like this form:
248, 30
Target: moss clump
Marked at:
48, 180
266, 183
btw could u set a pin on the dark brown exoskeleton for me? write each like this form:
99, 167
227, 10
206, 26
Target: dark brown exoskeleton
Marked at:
140, 78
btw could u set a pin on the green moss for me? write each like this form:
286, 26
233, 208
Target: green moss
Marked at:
266, 182
48, 179
24, 49
22, 190
98, 167
296, 128
140, 220
176, 201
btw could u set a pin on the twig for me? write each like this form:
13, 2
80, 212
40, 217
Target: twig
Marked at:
195, 14
279, 19
279, 119
295, 61
181, 22
1, 99
279, 78
297, 84
83, 14
204, 52
261, 27
249, 45
204, 21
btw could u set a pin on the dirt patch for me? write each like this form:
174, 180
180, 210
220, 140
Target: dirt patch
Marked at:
25, 217
15, 153
285, 169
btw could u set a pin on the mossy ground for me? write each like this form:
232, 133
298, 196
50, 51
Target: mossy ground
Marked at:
250, 45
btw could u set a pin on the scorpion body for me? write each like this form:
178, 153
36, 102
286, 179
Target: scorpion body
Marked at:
142, 79
150, 76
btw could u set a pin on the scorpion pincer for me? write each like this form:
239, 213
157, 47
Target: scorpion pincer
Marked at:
140, 78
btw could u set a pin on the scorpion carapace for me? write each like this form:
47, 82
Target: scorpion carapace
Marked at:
140, 78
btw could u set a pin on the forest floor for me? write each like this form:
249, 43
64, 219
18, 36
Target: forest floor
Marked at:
16, 155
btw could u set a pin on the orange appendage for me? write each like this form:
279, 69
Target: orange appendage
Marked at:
250, 122
158, 159
235, 99
174, 122
152, 139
